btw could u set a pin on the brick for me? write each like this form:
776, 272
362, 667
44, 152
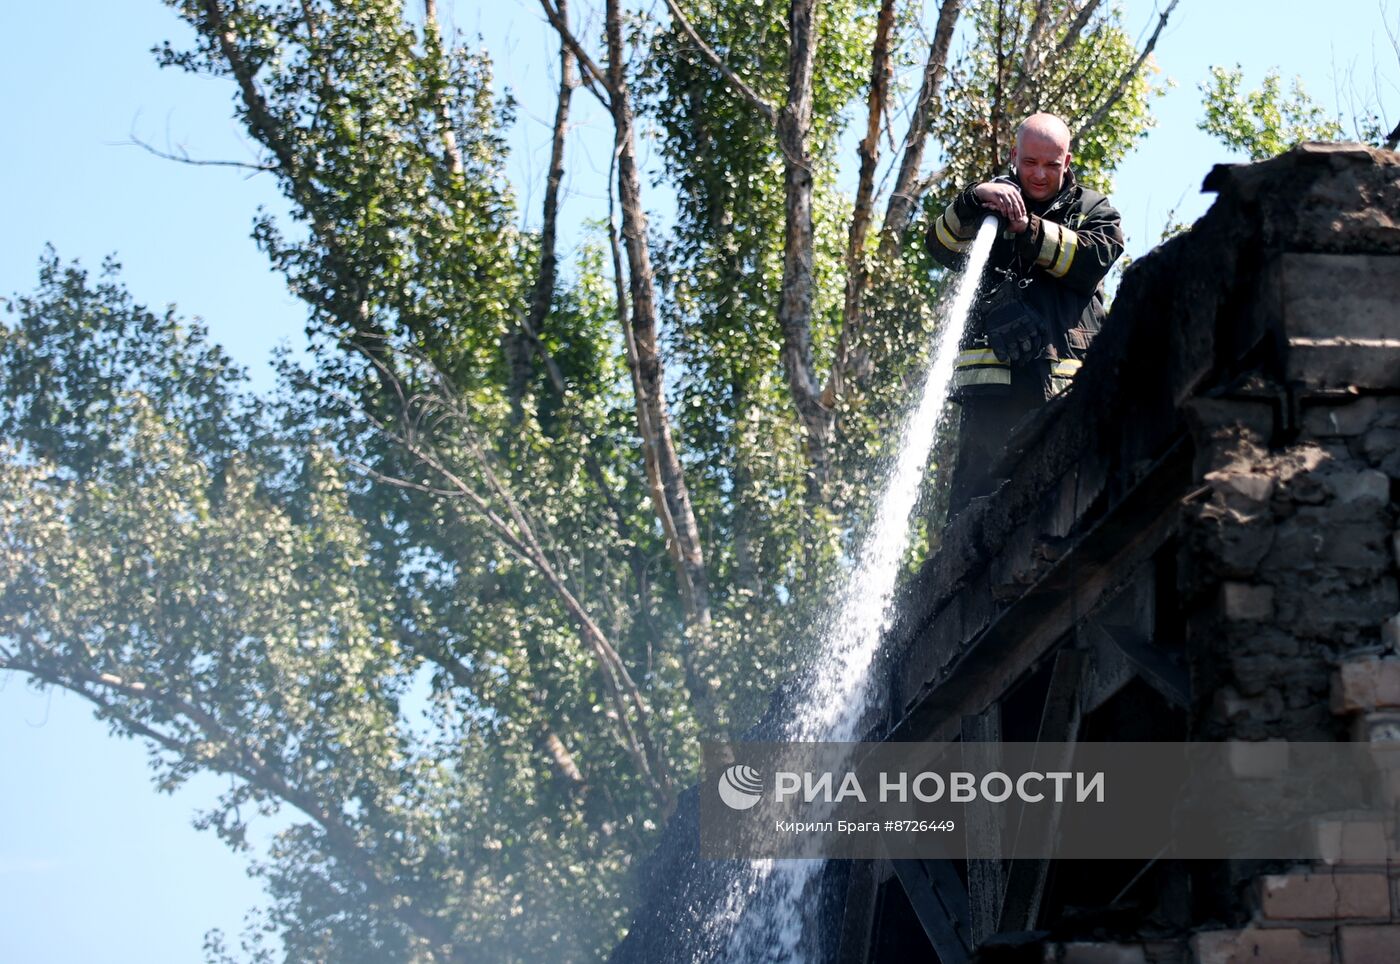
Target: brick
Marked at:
1367, 486
1327, 605
1367, 684
1257, 760
1324, 896
1390, 633
1352, 418
1377, 728
1380, 446
1284, 945
1369, 944
1229, 704
1344, 362
1353, 840
1228, 433
1099, 953
1382, 732
1241, 601
1165, 952
1240, 545
1249, 486
1356, 547
1300, 482
1352, 295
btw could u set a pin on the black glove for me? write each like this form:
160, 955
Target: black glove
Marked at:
1015, 330
1017, 340
968, 207
1028, 241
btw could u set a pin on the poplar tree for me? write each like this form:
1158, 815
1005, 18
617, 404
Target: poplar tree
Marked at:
459, 600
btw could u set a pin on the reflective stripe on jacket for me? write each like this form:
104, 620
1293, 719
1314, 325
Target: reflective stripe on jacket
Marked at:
1066, 251
979, 371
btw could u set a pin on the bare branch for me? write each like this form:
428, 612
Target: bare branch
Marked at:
518, 535
842, 369
1037, 31
768, 111
1098, 115
1076, 27
900, 207
259, 115
925, 183
183, 157
440, 106
1392, 140
593, 76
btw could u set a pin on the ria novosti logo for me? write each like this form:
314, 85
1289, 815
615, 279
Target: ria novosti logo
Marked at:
740, 787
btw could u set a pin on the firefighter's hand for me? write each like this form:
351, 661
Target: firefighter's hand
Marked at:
1005, 200
1016, 340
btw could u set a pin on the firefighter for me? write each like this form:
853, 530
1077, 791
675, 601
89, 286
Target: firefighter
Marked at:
1042, 297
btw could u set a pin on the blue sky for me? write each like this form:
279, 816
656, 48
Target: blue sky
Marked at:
95, 866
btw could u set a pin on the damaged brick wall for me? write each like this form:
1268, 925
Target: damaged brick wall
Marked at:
1200, 540
1289, 569
1215, 503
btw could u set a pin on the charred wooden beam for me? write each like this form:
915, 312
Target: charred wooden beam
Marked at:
940, 902
1030, 628
1156, 668
1059, 727
981, 736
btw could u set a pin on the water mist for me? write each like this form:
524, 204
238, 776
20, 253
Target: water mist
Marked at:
764, 908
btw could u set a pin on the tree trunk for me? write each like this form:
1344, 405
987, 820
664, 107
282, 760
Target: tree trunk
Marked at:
900, 209
849, 361
672, 501
525, 339
433, 38
795, 303
543, 294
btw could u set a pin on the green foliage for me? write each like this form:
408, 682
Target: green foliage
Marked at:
68, 370
226, 602
770, 550
352, 597
1265, 122
1001, 79
400, 245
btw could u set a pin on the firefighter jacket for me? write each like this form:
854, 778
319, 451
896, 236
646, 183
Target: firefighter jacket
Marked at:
1060, 261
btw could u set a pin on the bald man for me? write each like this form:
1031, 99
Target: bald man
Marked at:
1042, 301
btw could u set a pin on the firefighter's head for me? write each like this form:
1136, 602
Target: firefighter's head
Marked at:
1041, 156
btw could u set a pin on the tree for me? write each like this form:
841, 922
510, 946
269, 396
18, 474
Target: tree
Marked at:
1264, 122
1050, 55
468, 590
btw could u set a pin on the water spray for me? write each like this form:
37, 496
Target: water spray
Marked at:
766, 898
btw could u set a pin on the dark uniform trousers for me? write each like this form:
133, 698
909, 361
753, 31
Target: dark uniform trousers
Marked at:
985, 424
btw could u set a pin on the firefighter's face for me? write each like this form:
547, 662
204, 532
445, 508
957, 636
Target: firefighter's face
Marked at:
1040, 163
